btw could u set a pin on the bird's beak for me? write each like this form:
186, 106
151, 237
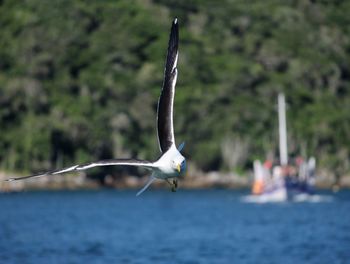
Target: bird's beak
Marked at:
178, 167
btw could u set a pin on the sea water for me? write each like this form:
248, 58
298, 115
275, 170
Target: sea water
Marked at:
212, 226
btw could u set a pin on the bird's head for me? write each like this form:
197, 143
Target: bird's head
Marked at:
179, 162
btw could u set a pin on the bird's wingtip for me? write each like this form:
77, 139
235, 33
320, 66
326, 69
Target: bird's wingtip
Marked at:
10, 180
181, 146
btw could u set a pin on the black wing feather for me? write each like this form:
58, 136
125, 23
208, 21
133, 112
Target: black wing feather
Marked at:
112, 162
166, 100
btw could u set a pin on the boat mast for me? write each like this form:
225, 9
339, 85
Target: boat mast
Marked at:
282, 129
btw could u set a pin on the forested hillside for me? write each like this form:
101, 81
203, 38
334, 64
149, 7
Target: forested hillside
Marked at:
80, 80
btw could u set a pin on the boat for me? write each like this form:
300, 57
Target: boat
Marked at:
285, 180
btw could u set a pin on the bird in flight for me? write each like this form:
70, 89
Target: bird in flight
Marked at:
171, 163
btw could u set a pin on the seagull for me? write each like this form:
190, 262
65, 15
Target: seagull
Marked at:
171, 163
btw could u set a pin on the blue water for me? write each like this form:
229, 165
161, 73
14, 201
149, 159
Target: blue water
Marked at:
163, 227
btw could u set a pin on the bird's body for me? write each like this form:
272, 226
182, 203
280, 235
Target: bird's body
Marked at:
171, 163
167, 165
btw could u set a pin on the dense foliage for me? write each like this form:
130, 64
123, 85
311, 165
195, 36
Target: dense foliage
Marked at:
80, 80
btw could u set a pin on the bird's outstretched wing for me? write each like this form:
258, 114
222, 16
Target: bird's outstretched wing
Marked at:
149, 182
112, 162
166, 100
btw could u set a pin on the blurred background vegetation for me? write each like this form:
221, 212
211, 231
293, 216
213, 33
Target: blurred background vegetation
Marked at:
80, 80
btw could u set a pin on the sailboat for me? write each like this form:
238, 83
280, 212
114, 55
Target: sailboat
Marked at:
283, 181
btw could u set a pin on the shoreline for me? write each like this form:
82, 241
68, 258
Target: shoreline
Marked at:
211, 180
